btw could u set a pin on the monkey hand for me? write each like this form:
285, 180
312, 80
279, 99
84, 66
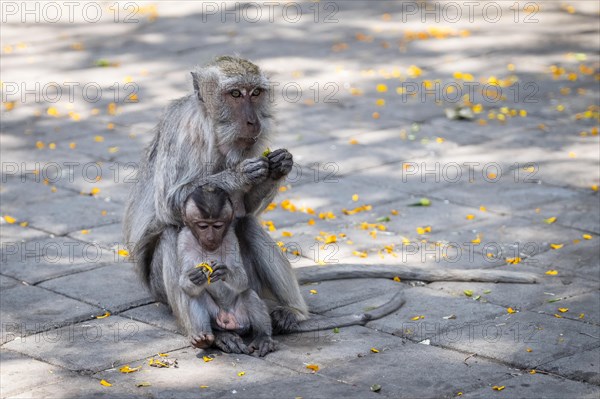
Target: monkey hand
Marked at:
219, 272
280, 163
254, 170
200, 276
263, 345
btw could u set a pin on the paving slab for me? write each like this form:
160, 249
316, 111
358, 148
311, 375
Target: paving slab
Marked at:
97, 344
114, 287
16, 366
582, 366
537, 386
46, 310
574, 259
584, 308
440, 312
428, 371
156, 314
56, 214
219, 374
39, 260
329, 349
508, 337
108, 237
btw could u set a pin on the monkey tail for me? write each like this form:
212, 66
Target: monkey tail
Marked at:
143, 252
313, 274
317, 323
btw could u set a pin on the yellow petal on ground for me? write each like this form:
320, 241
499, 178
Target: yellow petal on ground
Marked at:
40, 144
513, 261
311, 222
283, 189
476, 240
529, 350
313, 292
510, 310
587, 236
552, 272
207, 359
380, 102
104, 316
482, 208
123, 252
126, 369
415, 318
287, 233
532, 371
163, 354
72, 145
498, 388
557, 316
394, 212
397, 279
98, 139
113, 150
360, 254
94, 191
381, 88
331, 239
85, 232
550, 220
556, 246
563, 310
581, 315
353, 142
374, 350
470, 217
105, 383
241, 373
9, 219
313, 367
52, 146
355, 197
375, 115
24, 224
203, 386
594, 187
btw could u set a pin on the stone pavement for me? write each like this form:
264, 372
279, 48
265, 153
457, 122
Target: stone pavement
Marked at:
362, 93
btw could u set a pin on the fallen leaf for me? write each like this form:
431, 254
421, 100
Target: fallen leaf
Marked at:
313, 367
105, 383
468, 292
313, 292
104, 316
336, 330
143, 384
9, 219
532, 371
529, 350
126, 369
375, 387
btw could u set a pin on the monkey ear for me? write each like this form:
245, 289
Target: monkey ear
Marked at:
196, 83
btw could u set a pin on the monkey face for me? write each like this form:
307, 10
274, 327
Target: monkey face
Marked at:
244, 103
210, 232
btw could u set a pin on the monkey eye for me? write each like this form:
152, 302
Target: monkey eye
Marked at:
256, 92
218, 226
236, 93
203, 226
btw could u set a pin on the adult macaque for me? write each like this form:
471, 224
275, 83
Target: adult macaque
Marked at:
216, 306
215, 136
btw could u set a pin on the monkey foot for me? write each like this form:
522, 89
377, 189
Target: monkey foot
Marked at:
285, 320
202, 340
230, 342
263, 345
